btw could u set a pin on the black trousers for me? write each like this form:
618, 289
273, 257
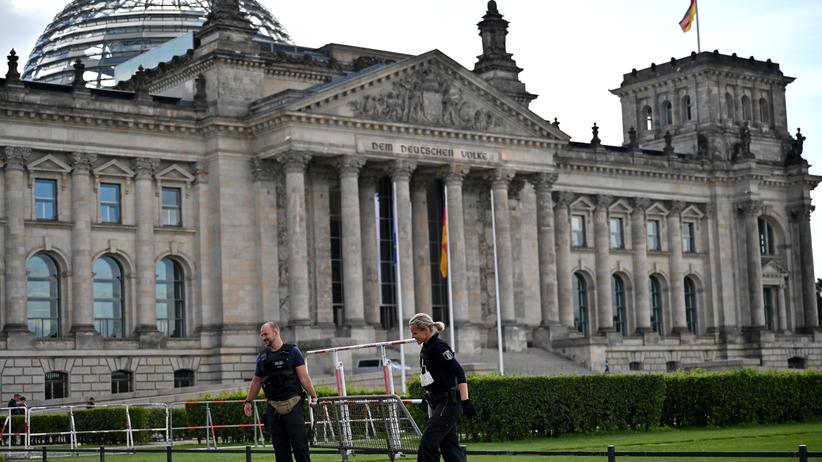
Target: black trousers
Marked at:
287, 434
440, 434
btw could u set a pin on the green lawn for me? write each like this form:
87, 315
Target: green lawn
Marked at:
747, 438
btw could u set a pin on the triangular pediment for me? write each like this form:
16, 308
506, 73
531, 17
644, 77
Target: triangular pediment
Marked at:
774, 269
620, 206
49, 163
428, 90
582, 203
692, 211
175, 173
656, 209
114, 168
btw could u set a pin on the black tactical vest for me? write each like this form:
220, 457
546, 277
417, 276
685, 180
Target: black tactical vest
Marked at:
444, 379
279, 378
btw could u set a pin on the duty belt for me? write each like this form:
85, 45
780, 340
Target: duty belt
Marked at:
440, 396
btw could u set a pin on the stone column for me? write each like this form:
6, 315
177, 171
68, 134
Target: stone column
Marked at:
563, 245
82, 298
349, 168
422, 251
294, 164
500, 180
145, 168
368, 220
602, 244
802, 215
401, 176
750, 210
15, 159
543, 183
676, 270
467, 335
639, 244
265, 205
782, 314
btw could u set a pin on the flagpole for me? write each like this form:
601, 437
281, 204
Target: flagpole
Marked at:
496, 282
698, 44
398, 284
448, 277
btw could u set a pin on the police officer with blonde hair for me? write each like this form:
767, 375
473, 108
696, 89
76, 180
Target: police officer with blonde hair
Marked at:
446, 392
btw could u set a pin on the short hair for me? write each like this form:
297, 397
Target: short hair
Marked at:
273, 325
425, 321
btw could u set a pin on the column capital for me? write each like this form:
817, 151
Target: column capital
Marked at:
419, 182
82, 162
544, 181
801, 212
604, 201
349, 165
401, 170
145, 167
564, 198
16, 157
200, 170
677, 207
294, 161
500, 178
641, 204
749, 207
454, 174
261, 169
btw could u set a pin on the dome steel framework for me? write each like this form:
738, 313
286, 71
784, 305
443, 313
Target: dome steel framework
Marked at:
105, 33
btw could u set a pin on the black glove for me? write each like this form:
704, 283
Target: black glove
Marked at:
468, 408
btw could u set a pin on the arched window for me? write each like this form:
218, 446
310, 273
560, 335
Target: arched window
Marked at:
746, 108
56, 385
43, 296
669, 112
580, 304
170, 288
618, 288
686, 108
764, 113
122, 382
656, 306
649, 118
108, 297
767, 246
729, 106
183, 378
690, 305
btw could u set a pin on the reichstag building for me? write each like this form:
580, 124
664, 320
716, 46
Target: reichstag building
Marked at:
158, 206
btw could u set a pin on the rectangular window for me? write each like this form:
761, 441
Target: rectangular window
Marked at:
337, 288
617, 236
688, 238
45, 199
577, 230
653, 235
172, 207
109, 203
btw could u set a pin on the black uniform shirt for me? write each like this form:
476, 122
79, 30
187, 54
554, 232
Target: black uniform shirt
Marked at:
438, 358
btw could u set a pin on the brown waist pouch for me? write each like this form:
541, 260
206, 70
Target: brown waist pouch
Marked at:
286, 406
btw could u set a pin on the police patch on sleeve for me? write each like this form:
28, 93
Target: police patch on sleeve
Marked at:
448, 355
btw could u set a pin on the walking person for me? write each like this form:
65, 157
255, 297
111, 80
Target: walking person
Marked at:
282, 374
446, 392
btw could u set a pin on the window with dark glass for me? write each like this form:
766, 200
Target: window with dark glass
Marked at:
337, 286
122, 382
618, 288
617, 236
439, 284
764, 113
108, 297
45, 199
580, 291
729, 106
172, 207
635, 366
170, 291
669, 113
688, 237
654, 242
671, 366
43, 296
649, 118
578, 231
656, 306
387, 257
768, 294
109, 203
746, 108
690, 305
766, 242
796, 362
183, 378
686, 107
56, 385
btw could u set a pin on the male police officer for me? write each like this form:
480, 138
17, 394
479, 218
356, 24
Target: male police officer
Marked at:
282, 374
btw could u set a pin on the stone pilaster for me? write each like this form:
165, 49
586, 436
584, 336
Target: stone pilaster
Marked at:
267, 256
294, 164
639, 244
368, 220
781, 310
349, 168
422, 251
563, 247
750, 210
16, 159
82, 298
209, 310
543, 183
676, 269
145, 168
401, 175
802, 215
602, 245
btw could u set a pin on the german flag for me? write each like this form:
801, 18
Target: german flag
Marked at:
688, 19
444, 249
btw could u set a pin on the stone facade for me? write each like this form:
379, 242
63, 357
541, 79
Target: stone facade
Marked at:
256, 184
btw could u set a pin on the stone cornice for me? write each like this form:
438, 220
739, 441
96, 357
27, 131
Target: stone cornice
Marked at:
665, 81
108, 120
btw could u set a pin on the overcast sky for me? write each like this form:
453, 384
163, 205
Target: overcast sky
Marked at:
572, 52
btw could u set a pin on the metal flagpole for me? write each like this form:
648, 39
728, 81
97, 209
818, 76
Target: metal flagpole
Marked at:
496, 283
398, 283
698, 44
448, 276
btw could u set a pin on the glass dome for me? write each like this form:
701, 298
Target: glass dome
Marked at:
105, 33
